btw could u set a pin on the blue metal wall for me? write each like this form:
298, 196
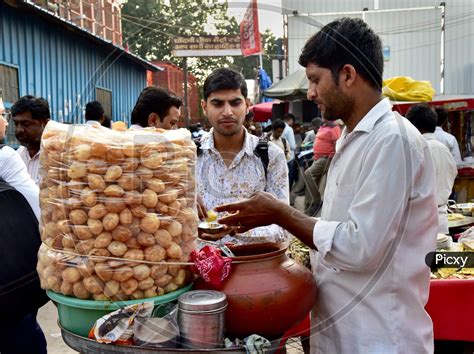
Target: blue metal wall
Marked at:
65, 68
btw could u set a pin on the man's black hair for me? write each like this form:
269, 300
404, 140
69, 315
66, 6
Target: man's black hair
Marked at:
316, 122
346, 41
153, 100
94, 111
224, 79
37, 106
277, 124
423, 117
107, 121
289, 116
442, 116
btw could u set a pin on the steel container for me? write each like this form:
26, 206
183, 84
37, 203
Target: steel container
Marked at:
201, 319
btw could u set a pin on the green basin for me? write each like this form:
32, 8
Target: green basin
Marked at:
78, 316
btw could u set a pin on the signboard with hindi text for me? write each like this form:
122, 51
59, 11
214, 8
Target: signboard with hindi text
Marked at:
206, 46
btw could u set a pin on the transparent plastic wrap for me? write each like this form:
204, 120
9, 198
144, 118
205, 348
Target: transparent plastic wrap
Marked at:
118, 210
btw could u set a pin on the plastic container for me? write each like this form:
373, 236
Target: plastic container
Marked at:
78, 316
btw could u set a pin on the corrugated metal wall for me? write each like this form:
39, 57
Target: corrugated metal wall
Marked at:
65, 68
414, 37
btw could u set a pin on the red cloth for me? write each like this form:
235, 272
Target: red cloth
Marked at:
325, 141
210, 265
301, 329
451, 307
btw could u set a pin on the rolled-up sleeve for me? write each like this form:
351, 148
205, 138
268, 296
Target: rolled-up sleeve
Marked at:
380, 199
320, 235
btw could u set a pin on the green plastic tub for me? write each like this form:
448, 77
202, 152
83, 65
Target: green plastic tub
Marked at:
78, 316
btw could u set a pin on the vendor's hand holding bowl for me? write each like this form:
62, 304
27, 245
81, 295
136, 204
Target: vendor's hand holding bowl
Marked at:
208, 233
259, 210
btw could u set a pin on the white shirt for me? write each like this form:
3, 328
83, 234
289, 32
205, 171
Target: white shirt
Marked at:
309, 137
13, 171
32, 163
378, 222
279, 142
136, 127
450, 142
446, 172
218, 184
93, 123
289, 135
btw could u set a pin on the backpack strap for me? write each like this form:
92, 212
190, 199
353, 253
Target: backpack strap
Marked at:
197, 142
262, 152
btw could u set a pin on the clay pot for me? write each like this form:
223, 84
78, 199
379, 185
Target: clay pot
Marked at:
267, 292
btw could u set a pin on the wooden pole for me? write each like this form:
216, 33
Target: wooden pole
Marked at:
185, 98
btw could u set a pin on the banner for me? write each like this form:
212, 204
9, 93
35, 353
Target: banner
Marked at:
205, 46
249, 33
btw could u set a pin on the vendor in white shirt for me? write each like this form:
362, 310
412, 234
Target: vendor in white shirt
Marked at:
379, 216
30, 115
423, 117
13, 171
447, 139
157, 108
228, 168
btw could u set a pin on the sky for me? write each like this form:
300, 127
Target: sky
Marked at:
269, 14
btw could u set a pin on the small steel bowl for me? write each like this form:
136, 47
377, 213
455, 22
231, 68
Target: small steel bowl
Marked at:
205, 228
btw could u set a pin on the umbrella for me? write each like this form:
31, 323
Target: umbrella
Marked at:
262, 111
292, 87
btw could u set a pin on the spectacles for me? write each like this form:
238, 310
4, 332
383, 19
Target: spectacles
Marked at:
6, 116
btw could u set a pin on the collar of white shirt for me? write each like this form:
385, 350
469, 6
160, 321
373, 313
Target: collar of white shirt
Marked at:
367, 123
207, 143
23, 151
429, 136
93, 123
136, 127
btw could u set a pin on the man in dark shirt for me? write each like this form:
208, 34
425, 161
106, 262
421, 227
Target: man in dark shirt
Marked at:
20, 292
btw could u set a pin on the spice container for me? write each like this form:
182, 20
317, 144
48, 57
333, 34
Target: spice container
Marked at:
201, 319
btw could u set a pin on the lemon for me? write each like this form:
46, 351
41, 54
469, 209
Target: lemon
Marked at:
211, 216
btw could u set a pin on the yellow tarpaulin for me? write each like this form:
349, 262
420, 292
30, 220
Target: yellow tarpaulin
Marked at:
404, 88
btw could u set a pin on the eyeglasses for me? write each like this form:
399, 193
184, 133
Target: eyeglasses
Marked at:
6, 116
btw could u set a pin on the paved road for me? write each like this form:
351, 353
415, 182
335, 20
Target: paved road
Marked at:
48, 318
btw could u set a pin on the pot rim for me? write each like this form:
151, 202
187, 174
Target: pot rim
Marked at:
279, 249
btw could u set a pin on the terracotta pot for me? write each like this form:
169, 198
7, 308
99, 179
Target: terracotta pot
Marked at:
267, 292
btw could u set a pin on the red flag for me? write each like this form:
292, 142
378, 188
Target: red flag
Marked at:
249, 33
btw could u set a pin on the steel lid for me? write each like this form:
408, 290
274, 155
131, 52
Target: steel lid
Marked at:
202, 300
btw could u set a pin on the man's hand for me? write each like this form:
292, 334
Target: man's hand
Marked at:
217, 236
264, 209
260, 210
202, 211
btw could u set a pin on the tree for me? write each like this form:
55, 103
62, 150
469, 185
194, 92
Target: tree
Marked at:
149, 25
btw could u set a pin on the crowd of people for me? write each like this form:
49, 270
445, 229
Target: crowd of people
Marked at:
387, 182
